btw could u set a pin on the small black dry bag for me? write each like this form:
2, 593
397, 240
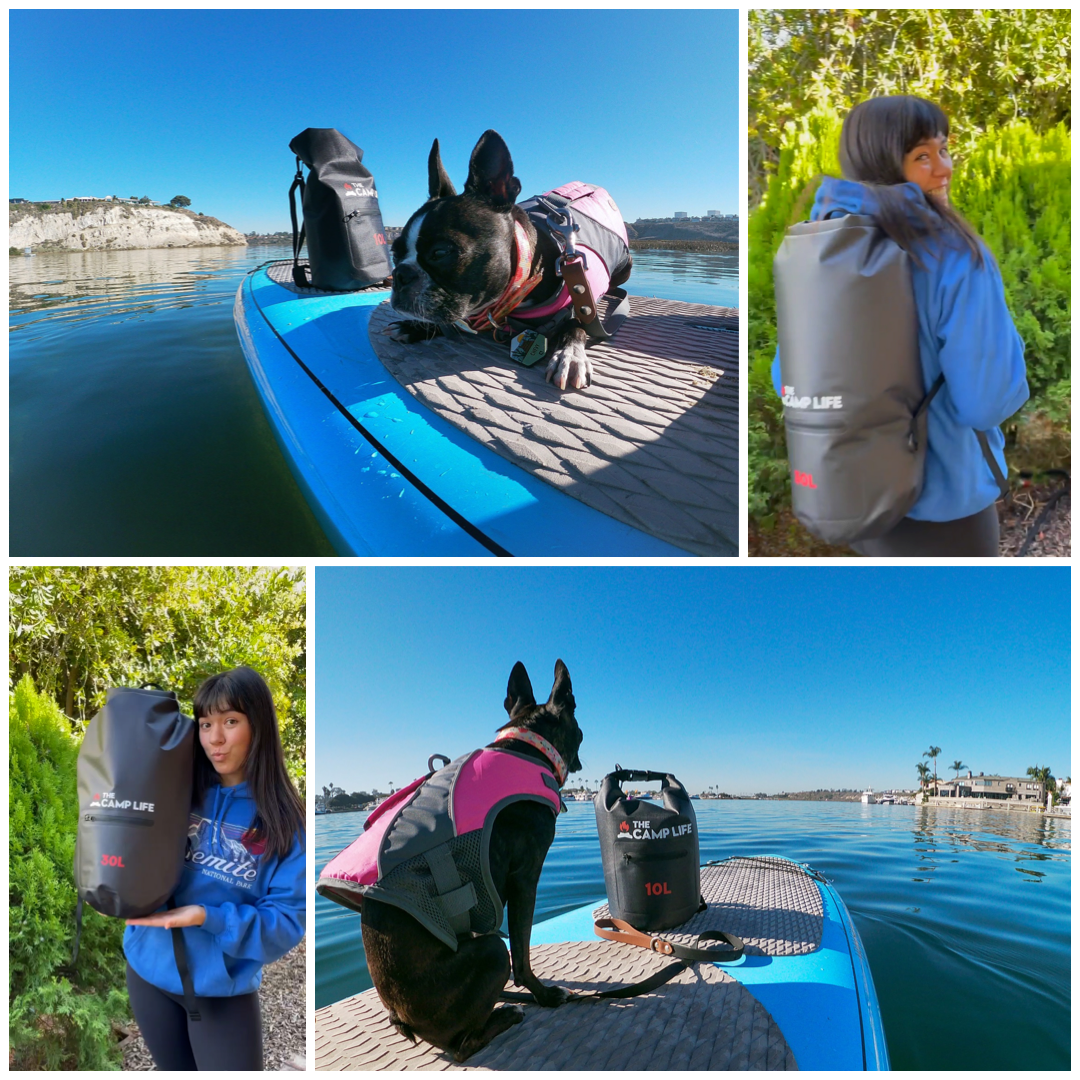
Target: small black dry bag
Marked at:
346, 241
650, 852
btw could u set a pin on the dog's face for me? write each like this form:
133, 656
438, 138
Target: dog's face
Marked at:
455, 254
554, 720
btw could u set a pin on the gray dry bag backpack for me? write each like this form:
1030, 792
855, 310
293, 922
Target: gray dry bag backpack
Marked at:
134, 780
346, 241
855, 410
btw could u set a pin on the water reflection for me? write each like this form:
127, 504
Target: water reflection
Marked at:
115, 286
698, 277
1013, 835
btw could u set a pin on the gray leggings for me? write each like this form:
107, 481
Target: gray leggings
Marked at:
228, 1038
978, 535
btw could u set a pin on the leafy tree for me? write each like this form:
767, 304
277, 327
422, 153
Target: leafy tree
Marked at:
984, 67
144, 199
932, 754
58, 1018
179, 200
79, 630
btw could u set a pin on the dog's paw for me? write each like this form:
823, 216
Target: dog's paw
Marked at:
569, 366
551, 997
516, 1011
408, 331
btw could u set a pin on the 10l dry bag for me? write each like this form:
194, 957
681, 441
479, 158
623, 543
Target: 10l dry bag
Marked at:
650, 852
346, 241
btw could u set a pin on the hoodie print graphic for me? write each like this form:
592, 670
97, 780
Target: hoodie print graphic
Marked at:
223, 851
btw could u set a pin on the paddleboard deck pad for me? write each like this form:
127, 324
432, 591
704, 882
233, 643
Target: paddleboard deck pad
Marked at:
449, 447
801, 996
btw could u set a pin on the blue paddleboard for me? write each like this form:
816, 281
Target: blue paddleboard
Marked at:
384, 474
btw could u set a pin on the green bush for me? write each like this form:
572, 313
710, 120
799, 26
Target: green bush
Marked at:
57, 1018
1015, 189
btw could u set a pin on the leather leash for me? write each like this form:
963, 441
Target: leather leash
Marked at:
618, 930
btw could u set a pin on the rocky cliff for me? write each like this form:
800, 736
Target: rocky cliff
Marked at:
115, 227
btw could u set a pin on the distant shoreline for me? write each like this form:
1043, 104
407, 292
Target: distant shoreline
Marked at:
722, 247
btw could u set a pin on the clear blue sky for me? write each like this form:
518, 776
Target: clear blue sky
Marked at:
754, 679
204, 103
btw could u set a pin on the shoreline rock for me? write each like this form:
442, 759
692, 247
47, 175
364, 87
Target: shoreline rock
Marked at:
116, 227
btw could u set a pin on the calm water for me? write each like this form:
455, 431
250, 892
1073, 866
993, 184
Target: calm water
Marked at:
134, 425
965, 915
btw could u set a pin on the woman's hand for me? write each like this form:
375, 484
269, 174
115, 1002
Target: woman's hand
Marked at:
188, 915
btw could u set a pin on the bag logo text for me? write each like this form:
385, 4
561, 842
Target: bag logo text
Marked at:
109, 799
644, 831
793, 401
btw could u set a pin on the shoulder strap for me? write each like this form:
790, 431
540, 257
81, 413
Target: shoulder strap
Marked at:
999, 477
300, 273
618, 930
78, 931
180, 954
984, 444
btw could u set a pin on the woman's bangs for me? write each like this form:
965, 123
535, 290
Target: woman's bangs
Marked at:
216, 696
923, 121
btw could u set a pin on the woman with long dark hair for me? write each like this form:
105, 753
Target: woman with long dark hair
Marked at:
240, 902
896, 169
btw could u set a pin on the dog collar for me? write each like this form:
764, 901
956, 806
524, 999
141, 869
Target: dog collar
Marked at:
521, 284
540, 743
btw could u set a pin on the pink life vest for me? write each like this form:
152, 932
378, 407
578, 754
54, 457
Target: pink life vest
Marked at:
425, 849
602, 236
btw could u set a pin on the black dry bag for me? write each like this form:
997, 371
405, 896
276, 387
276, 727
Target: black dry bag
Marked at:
650, 852
134, 782
346, 242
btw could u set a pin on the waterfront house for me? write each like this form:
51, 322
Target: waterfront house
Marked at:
1004, 788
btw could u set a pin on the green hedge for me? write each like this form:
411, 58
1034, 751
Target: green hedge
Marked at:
1015, 190
58, 1018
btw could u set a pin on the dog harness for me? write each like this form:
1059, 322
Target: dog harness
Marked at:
587, 227
426, 848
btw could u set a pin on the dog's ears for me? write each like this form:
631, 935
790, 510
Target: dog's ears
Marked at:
491, 172
562, 693
439, 185
519, 692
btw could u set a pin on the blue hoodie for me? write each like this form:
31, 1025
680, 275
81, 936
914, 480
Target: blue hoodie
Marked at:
965, 331
255, 904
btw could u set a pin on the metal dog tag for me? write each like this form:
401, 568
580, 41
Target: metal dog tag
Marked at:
528, 347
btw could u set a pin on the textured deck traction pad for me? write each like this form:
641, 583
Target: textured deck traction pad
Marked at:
772, 905
654, 442
702, 1019
281, 274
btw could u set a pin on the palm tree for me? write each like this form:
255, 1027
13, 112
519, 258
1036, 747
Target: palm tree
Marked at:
1042, 776
924, 772
932, 754
956, 766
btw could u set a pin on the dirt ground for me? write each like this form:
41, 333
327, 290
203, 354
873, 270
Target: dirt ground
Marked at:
1017, 514
283, 998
